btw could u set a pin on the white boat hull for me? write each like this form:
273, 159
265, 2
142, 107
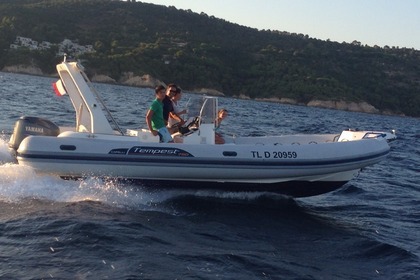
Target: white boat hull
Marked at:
266, 165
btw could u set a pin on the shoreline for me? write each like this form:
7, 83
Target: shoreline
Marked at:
147, 81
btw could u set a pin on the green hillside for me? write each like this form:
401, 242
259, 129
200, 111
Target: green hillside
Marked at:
197, 50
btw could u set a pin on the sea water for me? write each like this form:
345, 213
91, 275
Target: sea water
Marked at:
92, 229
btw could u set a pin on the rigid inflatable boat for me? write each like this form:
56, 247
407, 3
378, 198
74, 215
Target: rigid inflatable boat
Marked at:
295, 165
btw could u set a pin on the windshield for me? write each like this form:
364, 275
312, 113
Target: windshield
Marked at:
208, 112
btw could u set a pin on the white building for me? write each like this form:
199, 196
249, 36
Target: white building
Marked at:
66, 46
24, 42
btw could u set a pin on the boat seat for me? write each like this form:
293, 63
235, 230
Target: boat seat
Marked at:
143, 135
82, 128
349, 135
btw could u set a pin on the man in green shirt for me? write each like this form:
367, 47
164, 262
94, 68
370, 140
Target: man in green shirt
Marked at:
154, 117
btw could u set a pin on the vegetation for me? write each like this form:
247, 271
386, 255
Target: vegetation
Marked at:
197, 50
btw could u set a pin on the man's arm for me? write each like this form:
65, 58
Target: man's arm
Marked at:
149, 116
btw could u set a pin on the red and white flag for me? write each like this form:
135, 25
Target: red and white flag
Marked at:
59, 88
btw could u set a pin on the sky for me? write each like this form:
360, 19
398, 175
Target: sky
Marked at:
393, 23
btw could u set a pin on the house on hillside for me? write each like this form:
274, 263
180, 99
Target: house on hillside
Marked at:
24, 42
66, 46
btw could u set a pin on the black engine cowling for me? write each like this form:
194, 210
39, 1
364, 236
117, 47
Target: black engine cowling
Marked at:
27, 126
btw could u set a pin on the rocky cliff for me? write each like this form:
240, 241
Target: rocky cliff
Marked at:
130, 79
23, 69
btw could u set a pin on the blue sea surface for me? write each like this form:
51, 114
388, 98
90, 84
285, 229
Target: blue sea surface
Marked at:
93, 229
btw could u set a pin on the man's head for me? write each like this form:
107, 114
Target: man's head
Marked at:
171, 90
160, 92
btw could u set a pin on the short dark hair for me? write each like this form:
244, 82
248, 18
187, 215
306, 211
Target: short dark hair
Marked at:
159, 88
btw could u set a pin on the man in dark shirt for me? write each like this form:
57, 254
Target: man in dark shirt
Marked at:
167, 103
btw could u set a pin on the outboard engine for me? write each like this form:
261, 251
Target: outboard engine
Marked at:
27, 126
